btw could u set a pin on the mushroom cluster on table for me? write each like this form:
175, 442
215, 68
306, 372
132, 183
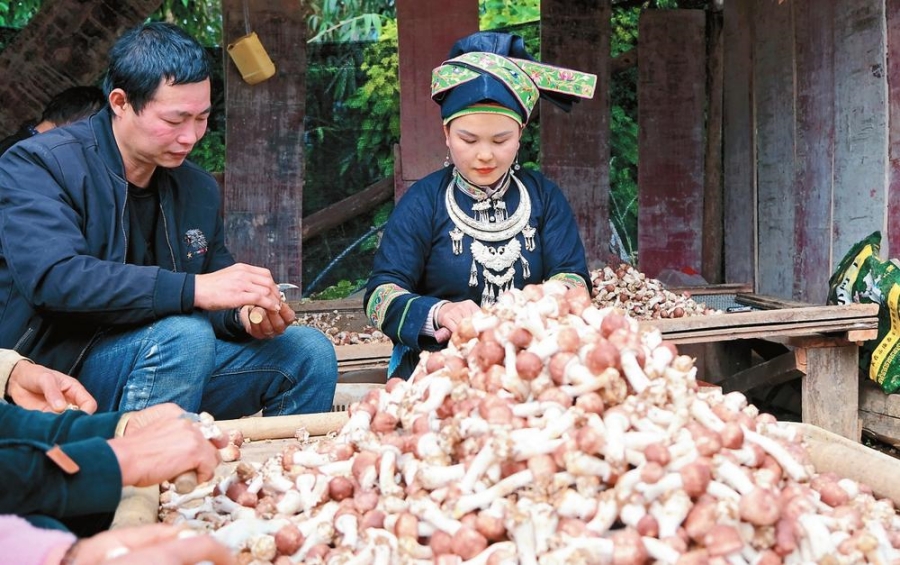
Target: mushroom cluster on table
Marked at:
640, 296
548, 431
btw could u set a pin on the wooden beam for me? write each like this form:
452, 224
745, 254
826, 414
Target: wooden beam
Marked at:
575, 147
426, 32
264, 142
347, 209
774, 372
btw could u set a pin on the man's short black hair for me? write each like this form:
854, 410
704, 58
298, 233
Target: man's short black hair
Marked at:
145, 55
73, 104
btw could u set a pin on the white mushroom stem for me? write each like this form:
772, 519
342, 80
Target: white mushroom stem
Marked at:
818, 535
310, 459
505, 487
426, 510
670, 514
606, 514
348, 526
438, 390
175, 500
572, 504
478, 467
317, 529
733, 475
386, 481
659, 551
633, 372
616, 422
236, 534
432, 477
791, 466
290, 503
702, 412
522, 534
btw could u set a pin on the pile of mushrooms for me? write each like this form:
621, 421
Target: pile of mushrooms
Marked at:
548, 431
640, 296
333, 325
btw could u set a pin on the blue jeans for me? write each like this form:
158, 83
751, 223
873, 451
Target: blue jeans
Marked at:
179, 359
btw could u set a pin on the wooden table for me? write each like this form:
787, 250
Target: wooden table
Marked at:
823, 350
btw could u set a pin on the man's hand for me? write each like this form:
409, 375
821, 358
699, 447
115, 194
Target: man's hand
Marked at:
236, 286
154, 544
159, 444
36, 387
449, 315
273, 323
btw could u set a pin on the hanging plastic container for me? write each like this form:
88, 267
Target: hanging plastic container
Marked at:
251, 59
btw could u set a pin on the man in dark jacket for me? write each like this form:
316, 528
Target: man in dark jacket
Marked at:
113, 265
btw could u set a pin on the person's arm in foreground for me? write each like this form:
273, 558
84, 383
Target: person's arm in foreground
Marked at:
156, 544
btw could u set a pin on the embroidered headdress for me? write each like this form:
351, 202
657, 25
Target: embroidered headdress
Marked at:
494, 67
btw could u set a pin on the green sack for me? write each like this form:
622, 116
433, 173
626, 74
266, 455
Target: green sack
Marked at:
861, 277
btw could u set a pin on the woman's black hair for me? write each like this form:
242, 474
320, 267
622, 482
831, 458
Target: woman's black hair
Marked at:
145, 55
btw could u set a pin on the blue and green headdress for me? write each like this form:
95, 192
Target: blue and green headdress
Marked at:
492, 72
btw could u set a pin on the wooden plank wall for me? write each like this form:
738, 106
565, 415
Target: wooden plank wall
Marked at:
575, 146
814, 30
773, 94
426, 32
860, 113
263, 191
739, 172
819, 108
671, 99
892, 15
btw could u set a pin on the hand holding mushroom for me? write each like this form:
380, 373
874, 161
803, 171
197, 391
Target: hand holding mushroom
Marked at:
150, 454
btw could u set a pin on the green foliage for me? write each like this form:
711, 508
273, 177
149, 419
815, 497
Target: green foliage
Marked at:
377, 105
342, 289
348, 20
18, 14
201, 18
494, 14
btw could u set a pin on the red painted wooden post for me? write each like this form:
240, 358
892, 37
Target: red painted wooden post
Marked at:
575, 146
814, 49
671, 99
264, 145
739, 155
426, 32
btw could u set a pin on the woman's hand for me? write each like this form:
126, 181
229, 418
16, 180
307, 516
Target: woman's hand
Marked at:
155, 544
36, 387
449, 315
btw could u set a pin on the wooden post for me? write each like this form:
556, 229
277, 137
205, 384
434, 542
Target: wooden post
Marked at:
738, 162
426, 32
264, 142
830, 393
814, 29
671, 98
713, 226
575, 146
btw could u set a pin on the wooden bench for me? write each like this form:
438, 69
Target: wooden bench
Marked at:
822, 349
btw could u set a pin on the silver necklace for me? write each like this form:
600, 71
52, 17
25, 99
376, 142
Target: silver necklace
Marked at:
497, 262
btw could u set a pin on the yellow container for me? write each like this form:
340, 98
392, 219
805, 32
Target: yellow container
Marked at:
251, 59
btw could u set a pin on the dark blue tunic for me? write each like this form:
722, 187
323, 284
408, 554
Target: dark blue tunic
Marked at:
415, 266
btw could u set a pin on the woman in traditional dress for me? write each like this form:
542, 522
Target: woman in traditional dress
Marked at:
481, 225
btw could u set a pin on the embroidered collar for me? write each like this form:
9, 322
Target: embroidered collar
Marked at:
481, 192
